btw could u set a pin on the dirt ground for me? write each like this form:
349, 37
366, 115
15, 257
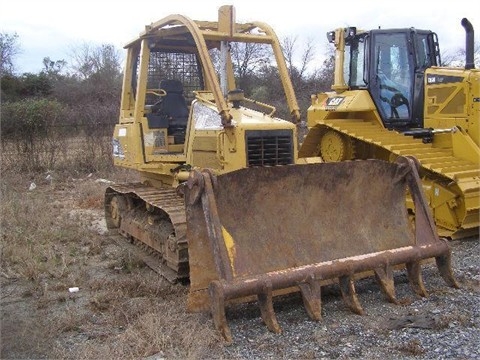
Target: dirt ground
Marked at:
71, 289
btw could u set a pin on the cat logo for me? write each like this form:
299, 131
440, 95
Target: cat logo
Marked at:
333, 102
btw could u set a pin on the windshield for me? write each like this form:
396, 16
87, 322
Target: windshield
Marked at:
428, 53
354, 67
393, 84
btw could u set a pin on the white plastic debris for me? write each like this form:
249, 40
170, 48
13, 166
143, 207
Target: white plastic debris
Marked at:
73, 289
33, 186
104, 181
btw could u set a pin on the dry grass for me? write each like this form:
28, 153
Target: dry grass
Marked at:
39, 241
141, 327
59, 153
123, 309
411, 347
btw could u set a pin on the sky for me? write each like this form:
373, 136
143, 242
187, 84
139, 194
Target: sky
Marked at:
52, 28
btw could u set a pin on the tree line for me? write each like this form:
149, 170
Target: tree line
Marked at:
42, 111
81, 96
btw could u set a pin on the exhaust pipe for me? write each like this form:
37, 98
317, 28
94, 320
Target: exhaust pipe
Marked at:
469, 47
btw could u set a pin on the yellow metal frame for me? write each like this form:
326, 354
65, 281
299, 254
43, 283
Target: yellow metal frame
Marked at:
224, 30
221, 149
452, 109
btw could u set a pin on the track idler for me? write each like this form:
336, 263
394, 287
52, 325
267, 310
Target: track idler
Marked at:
258, 232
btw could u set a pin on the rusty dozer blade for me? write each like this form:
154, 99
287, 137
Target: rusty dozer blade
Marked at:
258, 232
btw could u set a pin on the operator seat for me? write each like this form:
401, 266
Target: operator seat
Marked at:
393, 96
174, 108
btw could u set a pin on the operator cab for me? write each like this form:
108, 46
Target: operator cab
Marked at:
390, 64
170, 79
172, 108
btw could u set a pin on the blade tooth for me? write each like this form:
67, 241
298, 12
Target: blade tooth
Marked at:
415, 278
217, 308
265, 300
384, 278
349, 295
312, 300
444, 266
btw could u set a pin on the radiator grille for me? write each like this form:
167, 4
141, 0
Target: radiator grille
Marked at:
269, 148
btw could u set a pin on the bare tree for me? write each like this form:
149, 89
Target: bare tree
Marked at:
9, 48
297, 68
53, 68
88, 60
248, 58
98, 69
457, 57
325, 76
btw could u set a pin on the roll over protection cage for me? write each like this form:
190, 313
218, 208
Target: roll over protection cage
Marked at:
226, 29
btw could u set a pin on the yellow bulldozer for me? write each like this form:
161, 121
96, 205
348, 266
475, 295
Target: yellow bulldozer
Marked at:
392, 97
224, 201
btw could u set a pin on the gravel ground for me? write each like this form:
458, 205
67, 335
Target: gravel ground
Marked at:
445, 325
111, 316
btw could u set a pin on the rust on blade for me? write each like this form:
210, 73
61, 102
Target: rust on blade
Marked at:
258, 231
